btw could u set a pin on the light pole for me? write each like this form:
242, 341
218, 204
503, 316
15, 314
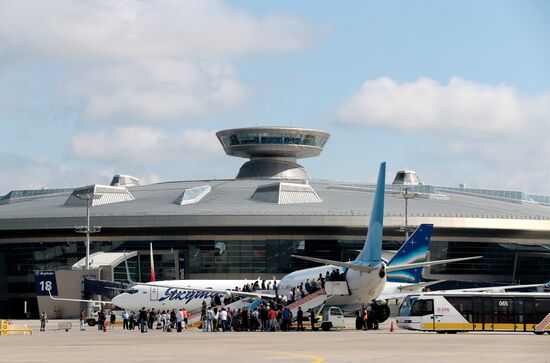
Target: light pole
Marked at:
88, 197
406, 194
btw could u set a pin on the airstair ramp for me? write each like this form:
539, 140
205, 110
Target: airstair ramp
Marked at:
311, 301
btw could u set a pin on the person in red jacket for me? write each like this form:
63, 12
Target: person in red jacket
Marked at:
272, 316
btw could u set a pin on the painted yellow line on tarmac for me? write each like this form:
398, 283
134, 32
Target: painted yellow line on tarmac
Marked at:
315, 359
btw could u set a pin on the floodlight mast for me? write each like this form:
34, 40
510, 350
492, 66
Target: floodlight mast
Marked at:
88, 197
406, 194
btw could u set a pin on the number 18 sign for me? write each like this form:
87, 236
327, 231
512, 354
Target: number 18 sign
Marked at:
45, 283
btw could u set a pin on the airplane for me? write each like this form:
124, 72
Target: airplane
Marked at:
174, 294
365, 277
399, 283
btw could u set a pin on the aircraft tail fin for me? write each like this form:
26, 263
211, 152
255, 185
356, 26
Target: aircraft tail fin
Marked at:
414, 250
371, 253
153, 279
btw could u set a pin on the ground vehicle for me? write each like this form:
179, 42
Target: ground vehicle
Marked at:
92, 318
333, 317
451, 312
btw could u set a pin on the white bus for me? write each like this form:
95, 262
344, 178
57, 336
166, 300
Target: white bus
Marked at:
451, 312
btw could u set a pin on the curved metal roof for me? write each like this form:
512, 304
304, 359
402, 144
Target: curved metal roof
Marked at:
229, 204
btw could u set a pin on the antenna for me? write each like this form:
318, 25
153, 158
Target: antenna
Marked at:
152, 263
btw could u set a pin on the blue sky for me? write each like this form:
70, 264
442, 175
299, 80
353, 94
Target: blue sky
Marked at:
458, 91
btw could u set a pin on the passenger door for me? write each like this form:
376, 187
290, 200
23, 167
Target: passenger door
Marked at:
154, 296
428, 316
477, 318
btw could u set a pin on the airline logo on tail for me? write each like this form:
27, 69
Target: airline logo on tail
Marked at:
414, 250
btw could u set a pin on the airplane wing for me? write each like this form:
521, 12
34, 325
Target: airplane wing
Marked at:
78, 300
363, 268
256, 295
406, 290
428, 263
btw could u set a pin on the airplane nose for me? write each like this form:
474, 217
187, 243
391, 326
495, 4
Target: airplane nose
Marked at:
117, 300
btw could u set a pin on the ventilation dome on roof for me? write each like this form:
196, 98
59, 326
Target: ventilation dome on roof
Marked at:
286, 193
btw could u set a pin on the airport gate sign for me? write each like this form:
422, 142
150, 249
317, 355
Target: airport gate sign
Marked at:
45, 283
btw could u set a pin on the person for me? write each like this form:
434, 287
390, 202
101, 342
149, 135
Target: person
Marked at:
286, 317
312, 318
125, 318
272, 315
151, 318
254, 323
209, 320
143, 320
179, 320
82, 318
263, 317
203, 318
185, 319
364, 317
300, 318
112, 320
244, 319
223, 319
101, 320
132, 321
43, 320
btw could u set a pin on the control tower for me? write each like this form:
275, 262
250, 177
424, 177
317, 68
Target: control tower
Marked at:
272, 150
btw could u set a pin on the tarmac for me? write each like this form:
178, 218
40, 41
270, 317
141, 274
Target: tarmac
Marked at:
194, 345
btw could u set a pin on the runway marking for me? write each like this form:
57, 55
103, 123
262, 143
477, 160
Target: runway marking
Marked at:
315, 359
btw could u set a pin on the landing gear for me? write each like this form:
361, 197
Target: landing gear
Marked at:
381, 312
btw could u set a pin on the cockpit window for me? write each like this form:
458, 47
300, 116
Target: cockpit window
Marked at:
131, 291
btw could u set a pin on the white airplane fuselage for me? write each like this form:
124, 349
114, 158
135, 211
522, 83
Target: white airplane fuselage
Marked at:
174, 296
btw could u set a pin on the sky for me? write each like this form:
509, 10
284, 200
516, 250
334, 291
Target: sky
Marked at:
457, 91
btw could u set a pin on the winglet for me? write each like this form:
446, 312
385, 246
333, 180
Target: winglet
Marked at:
372, 249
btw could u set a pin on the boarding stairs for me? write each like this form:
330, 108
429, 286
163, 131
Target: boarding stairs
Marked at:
317, 300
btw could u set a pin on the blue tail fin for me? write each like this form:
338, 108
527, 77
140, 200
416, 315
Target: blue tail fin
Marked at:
413, 250
372, 250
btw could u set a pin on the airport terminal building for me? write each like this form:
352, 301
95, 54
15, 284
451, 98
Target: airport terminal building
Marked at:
251, 225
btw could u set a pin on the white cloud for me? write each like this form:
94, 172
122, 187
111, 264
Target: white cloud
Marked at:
483, 135
19, 172
141, 61
461, 106
145, 145
128, 29
156, 91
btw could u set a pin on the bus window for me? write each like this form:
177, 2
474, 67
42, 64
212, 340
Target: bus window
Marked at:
519, 310
422, 307
503, 309
463, 305
405, 309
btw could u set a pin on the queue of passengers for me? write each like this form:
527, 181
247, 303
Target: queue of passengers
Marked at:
270, 315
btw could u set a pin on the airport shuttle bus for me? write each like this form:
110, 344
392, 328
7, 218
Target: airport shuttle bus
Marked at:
451, 312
